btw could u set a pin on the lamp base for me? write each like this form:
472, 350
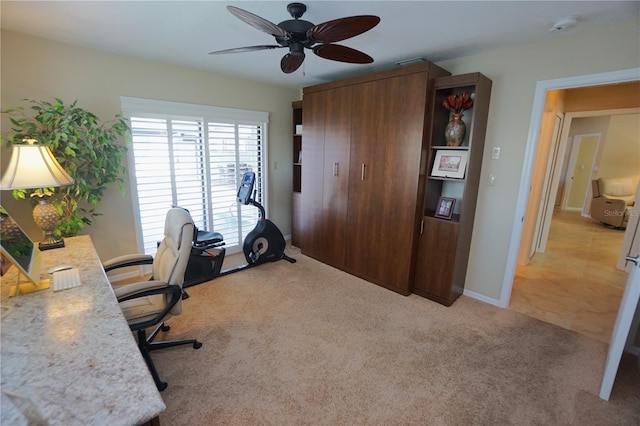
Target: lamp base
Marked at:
25, 288
48, 245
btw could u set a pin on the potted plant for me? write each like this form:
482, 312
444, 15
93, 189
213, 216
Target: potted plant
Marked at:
90, 151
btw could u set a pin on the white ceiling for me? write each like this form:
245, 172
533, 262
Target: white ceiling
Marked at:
183, 32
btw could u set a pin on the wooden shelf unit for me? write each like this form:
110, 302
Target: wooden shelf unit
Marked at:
444, 244
296, 210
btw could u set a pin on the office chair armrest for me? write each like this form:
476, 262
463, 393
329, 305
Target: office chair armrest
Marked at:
149, 288
127, 260
134, 290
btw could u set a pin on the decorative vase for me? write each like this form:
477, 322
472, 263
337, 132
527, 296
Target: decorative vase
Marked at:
9, 230
47, 218
454, 132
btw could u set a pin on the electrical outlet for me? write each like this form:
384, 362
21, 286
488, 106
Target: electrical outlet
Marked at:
492, 180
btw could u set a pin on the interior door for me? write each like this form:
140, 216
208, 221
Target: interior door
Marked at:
543, 220
621, 330
625, 330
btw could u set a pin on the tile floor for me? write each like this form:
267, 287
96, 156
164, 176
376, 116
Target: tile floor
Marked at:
575, 283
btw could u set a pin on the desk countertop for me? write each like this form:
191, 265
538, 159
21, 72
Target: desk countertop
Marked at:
71, 353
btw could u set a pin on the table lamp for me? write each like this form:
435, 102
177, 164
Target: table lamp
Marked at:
33, 166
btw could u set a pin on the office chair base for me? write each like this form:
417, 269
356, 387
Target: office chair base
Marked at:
147, 345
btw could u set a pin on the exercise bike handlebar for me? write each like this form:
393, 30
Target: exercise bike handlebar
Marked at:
253, 202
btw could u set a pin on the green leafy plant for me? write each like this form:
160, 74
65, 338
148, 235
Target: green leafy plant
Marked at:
90, 151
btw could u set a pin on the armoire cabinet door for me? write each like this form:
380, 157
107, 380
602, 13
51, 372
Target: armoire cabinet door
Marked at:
313, 119
404, 130
386, 148
435, 272
337, 142
367, 148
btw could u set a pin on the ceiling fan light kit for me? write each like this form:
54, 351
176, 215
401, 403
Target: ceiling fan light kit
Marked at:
298, 34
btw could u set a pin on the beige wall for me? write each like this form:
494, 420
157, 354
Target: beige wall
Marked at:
621, 152
38, 69
605, 97
515, 72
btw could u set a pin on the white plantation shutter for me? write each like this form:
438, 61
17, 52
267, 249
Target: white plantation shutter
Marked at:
194, 162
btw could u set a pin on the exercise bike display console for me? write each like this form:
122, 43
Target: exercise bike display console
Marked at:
265, 243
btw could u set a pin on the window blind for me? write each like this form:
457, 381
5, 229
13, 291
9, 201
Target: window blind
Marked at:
196, 163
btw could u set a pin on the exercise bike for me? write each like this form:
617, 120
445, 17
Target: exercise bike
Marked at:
265, 243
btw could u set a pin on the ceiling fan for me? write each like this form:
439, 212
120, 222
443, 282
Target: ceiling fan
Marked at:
297, 34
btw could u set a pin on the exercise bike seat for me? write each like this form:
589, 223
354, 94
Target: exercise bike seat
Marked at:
206, 238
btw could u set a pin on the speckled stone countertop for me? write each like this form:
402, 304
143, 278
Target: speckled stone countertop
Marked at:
71, 353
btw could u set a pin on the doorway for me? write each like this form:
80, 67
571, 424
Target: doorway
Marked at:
582, 162
521, 209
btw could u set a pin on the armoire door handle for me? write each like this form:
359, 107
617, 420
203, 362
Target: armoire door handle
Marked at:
335, 169
362, 171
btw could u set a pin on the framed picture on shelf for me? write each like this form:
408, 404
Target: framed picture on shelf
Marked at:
444, 209
450, 163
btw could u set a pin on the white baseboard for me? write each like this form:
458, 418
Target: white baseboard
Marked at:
483, 298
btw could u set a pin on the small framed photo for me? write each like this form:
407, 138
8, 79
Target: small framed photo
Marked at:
450, 163
444, 209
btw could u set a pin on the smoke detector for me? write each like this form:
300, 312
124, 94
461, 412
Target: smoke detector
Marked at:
564, 24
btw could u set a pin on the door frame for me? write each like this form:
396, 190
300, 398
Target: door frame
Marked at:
568, 182
540, 94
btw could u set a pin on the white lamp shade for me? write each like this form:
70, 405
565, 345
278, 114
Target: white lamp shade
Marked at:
33, 166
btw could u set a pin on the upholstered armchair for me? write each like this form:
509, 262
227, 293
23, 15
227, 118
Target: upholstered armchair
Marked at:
149, 304
613, 199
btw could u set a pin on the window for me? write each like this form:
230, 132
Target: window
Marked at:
194, 156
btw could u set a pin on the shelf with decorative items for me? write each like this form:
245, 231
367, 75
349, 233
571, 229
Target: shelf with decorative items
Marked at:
297, 145
460, 110
451, 142
296, 211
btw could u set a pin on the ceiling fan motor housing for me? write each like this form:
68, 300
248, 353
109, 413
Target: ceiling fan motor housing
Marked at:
298, 29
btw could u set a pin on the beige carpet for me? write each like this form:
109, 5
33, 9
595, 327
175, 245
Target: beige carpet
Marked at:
307, 344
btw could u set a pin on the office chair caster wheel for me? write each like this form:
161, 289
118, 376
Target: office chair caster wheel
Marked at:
161, 386
165, 327
197, 345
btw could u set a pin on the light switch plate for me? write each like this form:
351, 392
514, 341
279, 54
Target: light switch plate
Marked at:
495, 153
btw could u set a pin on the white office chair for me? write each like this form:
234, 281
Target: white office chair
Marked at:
150, 303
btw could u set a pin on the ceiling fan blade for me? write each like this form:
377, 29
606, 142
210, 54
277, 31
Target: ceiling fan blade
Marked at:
336, 52
291, 62
257, 22
245, 49
343, 28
